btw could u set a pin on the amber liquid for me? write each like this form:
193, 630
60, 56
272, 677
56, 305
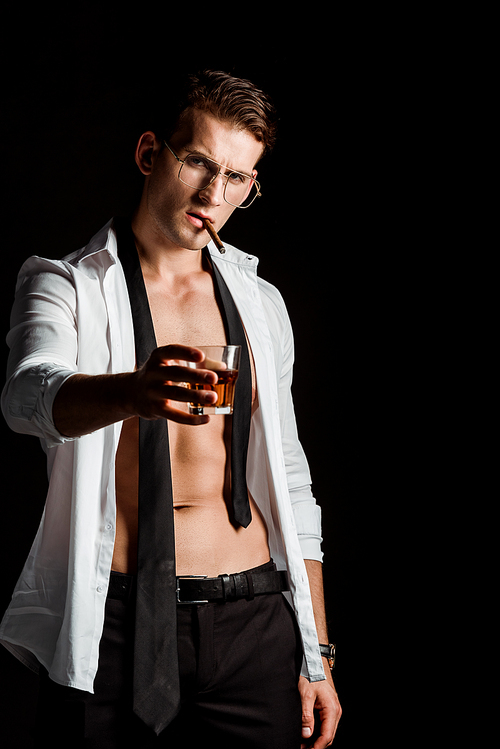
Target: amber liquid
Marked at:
224, 388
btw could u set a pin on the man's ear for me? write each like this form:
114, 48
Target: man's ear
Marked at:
146, 151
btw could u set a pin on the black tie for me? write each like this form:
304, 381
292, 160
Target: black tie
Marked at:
242, 409
156, 674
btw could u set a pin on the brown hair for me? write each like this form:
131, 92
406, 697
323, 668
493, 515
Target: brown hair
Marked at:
231, 99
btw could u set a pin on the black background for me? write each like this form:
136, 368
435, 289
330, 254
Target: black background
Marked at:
75, 90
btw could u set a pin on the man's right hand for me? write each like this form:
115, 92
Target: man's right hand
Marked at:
158, 385
86, 403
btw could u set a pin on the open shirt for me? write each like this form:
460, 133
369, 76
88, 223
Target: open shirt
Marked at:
73, 315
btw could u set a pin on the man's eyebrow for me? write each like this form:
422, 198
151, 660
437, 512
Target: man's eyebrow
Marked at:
189, 148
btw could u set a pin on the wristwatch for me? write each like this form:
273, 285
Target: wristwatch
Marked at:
328, 651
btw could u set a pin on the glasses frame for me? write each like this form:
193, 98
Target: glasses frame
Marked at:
221, 166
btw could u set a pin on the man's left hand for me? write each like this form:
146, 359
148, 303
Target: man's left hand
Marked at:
322, 697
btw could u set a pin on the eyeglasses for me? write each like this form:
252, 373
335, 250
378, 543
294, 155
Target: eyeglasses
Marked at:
199, 172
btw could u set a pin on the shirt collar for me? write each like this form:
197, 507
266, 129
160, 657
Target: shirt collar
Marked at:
102, 242
105, 242
232, 255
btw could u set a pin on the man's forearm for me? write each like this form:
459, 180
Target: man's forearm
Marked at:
315, 575
86, 403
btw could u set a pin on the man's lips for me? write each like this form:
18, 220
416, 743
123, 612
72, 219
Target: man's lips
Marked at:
202, 221
197, 219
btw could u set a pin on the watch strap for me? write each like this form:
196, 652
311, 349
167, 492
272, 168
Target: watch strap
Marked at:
328, 651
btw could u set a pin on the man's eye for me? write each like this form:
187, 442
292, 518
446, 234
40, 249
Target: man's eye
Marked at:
197, 162
237, 179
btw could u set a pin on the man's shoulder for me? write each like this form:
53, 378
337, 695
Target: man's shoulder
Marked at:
100, 241
36, 267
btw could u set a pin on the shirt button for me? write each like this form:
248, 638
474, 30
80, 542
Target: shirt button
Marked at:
100, 589
109, 527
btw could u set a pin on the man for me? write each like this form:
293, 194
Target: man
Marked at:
77, 379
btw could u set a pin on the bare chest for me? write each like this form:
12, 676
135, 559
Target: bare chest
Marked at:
191, 318
199, 456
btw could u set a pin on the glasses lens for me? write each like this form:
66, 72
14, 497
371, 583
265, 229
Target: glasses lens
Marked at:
197, 171
241, 190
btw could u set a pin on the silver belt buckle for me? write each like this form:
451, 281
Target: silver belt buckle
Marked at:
178, 590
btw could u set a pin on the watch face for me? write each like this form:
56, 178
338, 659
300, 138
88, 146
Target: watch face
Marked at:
328, 651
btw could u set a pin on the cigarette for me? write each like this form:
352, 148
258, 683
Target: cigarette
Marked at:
214, 236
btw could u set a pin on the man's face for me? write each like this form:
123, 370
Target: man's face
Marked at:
177, 210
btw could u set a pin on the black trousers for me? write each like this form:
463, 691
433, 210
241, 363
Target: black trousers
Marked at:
239, 667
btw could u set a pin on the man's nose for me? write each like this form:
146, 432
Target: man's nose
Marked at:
214, 193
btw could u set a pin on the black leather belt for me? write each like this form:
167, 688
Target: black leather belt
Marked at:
201, 589
193, 589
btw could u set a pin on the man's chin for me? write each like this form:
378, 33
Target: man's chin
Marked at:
196, 248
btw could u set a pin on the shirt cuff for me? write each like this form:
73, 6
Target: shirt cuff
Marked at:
311, 548
28, 398
307, 516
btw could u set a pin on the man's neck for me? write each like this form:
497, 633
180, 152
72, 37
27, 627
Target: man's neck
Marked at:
158, 256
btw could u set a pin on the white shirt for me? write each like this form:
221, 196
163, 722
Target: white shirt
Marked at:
73, 315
